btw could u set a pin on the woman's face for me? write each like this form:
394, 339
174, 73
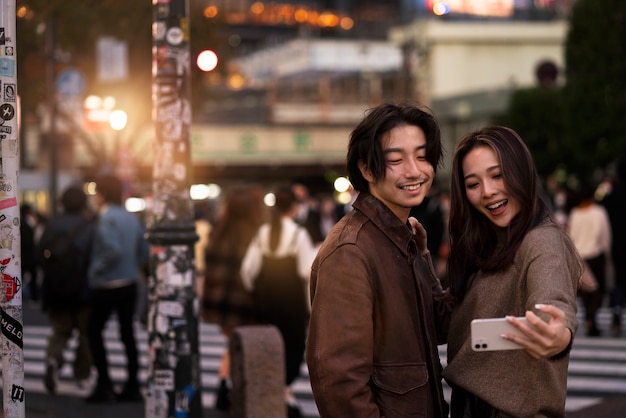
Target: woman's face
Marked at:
485, 188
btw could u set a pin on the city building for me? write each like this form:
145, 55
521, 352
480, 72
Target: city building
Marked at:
296, 76
461, 58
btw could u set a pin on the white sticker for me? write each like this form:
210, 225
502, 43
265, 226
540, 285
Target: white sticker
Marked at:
171, 308
164, 379
158, 30
174, 36
157, 403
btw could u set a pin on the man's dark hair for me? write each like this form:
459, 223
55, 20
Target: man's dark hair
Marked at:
110, 187
365, 140
73, 199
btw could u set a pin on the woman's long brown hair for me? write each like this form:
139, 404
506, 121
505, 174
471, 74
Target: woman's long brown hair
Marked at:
474, 241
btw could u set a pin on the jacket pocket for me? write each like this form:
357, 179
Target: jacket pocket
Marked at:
402, 390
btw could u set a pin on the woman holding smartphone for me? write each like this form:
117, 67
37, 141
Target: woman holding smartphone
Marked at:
508, 258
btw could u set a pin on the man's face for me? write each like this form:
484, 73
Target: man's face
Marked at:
97, 201
408, 174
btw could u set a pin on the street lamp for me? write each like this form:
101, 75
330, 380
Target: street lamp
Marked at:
207, 60
118, 120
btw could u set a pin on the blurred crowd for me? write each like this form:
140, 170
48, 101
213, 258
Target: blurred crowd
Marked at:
593, 215
242, 234
82, 267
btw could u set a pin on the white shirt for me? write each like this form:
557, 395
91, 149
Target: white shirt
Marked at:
590, 230
301, 246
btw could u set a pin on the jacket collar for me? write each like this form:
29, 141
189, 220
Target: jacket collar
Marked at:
385, 220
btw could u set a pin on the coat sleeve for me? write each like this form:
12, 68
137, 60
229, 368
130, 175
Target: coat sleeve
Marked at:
552, 271
342, 304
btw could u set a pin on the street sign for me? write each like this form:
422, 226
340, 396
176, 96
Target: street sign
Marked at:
70, 83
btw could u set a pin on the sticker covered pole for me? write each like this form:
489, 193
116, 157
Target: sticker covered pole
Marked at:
10, 255
173, 353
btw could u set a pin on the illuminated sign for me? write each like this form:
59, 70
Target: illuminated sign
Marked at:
500, 8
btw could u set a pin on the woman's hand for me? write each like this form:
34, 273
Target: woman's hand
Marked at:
542, 339
420, 235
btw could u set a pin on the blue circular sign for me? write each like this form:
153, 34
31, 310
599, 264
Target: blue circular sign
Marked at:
70, 83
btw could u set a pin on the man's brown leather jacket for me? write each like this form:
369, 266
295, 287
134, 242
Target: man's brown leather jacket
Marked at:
372, 343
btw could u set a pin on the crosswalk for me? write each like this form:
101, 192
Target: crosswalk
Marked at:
597, 367
212, 345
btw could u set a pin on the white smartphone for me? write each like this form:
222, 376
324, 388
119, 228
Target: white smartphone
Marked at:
487, 334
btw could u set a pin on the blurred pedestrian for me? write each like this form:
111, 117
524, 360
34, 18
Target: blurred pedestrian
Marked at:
508, 258
329, 216
588, 225
225, 301
29, 262
615, 204
308, 213
430, 215
276, 268
65, 291
373, 335
119, 253
203, 229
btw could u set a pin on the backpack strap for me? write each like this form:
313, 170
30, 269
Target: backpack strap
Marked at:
294, 239
271, 253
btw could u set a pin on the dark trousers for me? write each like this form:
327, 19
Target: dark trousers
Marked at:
64, 322
120, 300
295, 342
33, 286
593, 300
618, 295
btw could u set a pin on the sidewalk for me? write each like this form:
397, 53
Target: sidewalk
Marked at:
48, 406
43, 405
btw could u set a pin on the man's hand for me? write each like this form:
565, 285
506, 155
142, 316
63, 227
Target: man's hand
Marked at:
420, 235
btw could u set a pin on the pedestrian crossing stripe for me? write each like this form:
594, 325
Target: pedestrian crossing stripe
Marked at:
597, 365
211, 346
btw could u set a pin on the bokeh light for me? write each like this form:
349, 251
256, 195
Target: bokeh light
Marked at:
207, 60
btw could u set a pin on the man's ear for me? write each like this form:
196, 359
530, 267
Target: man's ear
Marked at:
367, 175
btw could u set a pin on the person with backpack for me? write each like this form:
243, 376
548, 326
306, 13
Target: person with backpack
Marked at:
63, 254
276, 269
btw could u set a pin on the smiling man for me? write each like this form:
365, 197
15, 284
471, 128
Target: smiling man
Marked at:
375, 319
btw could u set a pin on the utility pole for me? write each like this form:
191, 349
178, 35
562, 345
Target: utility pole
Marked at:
10, 238
174, 387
